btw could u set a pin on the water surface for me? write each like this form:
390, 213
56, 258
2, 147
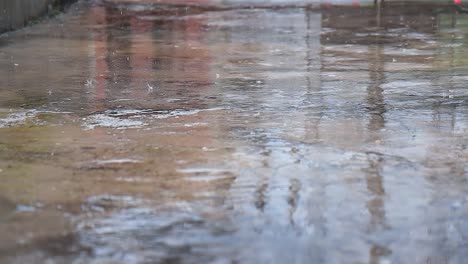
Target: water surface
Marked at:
226, 133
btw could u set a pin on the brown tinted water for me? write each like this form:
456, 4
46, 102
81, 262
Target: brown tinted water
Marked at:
220, 133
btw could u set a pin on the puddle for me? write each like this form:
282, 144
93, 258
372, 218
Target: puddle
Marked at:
182, 131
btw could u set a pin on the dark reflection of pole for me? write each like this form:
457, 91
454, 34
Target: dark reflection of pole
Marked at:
308, 61
316, 202
312, 98
379, 9
293, 197
439, 107
375, 186
260, 194
376, 205
454, 19
450, 84
375, 99
444, 110
374, 181
376, 252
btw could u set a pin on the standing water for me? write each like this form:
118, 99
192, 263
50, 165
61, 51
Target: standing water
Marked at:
227, 132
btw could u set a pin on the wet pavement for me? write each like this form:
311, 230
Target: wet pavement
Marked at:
232, 133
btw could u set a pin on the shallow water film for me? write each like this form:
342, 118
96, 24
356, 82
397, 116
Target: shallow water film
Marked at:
236, 132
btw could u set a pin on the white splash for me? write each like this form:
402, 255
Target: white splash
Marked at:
102, 120
17, 118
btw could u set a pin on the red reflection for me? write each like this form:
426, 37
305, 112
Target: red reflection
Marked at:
100, 53
127, 44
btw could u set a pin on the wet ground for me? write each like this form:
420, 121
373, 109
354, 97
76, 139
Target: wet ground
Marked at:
230, 133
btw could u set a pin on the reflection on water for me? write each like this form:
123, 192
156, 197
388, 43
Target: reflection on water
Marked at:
142, 133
